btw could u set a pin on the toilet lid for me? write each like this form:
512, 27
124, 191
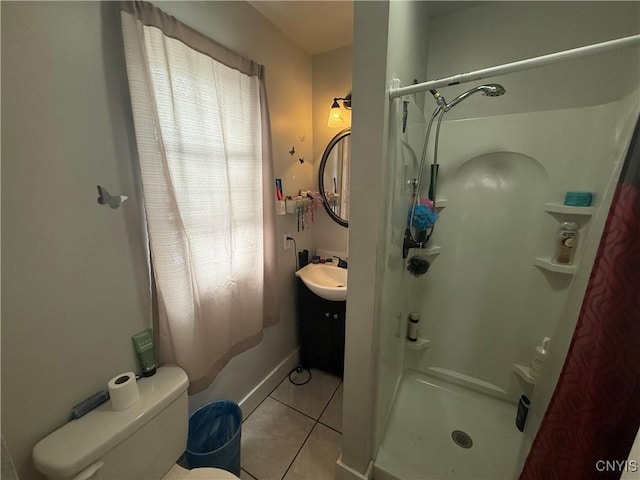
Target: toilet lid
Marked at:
206, 473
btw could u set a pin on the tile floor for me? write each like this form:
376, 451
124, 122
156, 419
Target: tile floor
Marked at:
295, 433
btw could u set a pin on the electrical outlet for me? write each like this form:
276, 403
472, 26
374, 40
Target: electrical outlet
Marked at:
287, 245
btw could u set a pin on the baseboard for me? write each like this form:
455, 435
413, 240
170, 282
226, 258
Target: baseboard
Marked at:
249, 403
382, 474
344, 472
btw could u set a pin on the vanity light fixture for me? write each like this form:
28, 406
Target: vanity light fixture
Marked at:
336, 120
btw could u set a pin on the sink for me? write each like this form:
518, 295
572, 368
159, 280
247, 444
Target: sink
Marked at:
326, 281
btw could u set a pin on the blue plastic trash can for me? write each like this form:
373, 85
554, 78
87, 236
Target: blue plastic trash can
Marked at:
214, 436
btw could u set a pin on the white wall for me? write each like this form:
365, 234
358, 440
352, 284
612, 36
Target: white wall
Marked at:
406, 61
74, 274
389, 41
370, 104
331, 78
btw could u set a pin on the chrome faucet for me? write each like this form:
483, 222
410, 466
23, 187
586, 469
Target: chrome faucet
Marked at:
341, 263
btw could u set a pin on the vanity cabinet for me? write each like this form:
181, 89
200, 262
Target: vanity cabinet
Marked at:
321, 327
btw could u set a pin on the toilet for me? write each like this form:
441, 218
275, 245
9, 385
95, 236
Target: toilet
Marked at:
141, 442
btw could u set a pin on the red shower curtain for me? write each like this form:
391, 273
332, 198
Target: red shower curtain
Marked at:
594, 413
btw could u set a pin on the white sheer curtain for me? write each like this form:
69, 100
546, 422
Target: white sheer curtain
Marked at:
202, 135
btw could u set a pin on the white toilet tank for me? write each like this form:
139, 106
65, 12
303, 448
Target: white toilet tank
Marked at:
142, 442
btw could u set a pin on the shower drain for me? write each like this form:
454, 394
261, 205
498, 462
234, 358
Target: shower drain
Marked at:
461, 439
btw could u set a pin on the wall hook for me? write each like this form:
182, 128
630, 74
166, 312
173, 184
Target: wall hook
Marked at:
301, 160
292, 151
105, 198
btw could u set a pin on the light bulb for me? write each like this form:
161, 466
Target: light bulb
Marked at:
336, 119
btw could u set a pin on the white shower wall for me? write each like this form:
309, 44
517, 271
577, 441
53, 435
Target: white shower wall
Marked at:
495, 33
483, 303
488, 34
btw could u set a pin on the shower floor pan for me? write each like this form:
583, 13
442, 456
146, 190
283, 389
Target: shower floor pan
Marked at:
437, 430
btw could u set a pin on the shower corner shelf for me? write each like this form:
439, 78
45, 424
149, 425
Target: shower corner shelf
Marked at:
568, 210
428, 251
546, 264
420, 344
435, 250
441, 203
524, 373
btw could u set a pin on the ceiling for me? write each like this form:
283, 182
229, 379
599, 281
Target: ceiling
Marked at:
321, 26
316, 26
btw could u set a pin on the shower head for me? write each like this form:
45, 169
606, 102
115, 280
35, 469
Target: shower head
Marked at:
493, 90
490, 90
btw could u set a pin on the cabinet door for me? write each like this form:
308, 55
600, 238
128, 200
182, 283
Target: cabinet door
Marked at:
316, 331
339, 315
338, 328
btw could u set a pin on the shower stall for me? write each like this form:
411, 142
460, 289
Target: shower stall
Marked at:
491, 293
445, 405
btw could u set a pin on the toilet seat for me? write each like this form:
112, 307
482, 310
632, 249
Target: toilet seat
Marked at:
206, 473
202, 473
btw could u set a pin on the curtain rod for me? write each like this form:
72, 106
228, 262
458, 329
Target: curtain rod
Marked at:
516, 66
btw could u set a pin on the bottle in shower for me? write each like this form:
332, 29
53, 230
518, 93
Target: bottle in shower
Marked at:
412, 331
539, 357
566, 243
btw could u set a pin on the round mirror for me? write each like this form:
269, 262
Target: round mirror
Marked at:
333, 177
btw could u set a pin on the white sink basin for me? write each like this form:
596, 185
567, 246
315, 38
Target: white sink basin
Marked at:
326, 281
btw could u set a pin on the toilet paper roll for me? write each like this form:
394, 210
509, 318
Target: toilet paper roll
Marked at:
123, 391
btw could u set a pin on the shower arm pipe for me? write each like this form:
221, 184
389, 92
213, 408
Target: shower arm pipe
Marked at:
516, 66
416, 197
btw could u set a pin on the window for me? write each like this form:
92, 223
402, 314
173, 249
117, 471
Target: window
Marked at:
205, 163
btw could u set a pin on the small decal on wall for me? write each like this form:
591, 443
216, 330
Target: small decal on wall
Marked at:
105, 198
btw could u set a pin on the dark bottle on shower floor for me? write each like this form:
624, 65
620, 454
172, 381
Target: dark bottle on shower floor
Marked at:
523, 410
